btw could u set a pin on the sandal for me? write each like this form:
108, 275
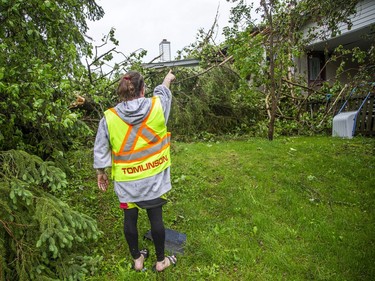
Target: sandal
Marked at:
172, 261
144, 253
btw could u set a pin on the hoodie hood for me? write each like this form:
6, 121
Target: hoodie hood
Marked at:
135, 111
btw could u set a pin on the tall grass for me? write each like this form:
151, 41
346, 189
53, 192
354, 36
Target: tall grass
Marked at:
292, 209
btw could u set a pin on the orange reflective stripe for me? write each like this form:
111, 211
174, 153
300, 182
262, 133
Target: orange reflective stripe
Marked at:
139, 132
153, 100
140, 154
156, 144
126, 137
143, 124
134, 141
127, 133
146, 127
140, 150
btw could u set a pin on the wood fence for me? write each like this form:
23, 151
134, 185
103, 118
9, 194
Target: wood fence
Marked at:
365, 124
365, 121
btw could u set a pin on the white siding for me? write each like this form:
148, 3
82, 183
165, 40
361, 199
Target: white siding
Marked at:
365, 16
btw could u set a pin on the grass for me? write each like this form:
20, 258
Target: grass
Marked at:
292, 209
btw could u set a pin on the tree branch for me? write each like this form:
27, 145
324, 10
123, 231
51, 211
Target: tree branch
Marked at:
207, 70
302, 86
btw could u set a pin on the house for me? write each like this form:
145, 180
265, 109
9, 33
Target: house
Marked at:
315, 65
356, 114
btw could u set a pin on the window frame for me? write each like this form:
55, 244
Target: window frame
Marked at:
321, 75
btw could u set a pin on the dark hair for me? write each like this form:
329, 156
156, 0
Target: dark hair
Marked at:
130, 86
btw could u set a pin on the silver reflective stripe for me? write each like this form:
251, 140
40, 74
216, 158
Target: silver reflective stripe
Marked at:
150, 136
133, 133
144, 152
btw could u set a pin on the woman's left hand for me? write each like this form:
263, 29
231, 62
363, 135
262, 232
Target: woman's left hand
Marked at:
103, 182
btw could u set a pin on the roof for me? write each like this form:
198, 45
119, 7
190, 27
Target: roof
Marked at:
162, 64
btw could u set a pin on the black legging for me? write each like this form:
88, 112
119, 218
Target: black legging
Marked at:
155, 216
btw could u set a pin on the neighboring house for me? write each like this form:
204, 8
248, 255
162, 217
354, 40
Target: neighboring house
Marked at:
356, 113
362, 33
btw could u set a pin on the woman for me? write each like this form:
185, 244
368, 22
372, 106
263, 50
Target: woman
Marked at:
132, 138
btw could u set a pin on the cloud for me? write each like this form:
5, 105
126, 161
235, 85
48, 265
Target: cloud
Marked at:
145, 23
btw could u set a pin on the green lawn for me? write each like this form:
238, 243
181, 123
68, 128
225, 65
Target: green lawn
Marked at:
292, 209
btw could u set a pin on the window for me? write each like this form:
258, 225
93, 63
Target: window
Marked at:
316, 70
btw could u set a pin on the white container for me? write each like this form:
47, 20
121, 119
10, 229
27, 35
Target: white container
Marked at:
344, 124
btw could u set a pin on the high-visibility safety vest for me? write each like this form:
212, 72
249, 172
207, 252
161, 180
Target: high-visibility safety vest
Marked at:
142, 150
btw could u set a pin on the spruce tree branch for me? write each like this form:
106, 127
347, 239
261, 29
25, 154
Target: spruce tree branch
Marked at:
5, 225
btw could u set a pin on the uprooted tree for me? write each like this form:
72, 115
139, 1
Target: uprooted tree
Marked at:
41, 43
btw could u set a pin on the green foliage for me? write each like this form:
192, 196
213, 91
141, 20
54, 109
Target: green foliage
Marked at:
264, 56
249, 61
240, 19
98, 83
41, 44
41, 237
213, 102
365, 60
328, 14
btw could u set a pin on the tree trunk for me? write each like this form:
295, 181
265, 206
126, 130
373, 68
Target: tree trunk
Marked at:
271, 124
272, 88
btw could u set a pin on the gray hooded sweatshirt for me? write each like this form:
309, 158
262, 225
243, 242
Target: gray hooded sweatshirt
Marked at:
134, 112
